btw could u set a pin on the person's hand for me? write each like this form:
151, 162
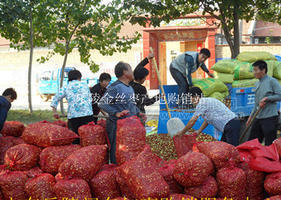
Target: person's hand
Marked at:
263, 102
180, 133
248, 121
211, 75
122, 114
143, 116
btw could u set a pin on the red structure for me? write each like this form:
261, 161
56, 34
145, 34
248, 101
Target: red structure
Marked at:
203, 35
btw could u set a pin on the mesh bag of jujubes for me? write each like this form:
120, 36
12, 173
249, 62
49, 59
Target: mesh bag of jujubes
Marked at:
57, 122
222, 154
41, 187
272, 184
179, 196
52, 157
12, 184
277, 197
130, 139
102, 123
104, 183
45, 135
91, 134
22, 157
255, 180
84, 163
142, 180
192, 169
208, 189
12, 128
32, 173
167, 171
122, 183
277, 143
5, 144
232, 183
77, 189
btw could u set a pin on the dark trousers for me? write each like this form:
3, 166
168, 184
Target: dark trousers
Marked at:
75, 123
182, 83
111, 128
231, 132
264, 129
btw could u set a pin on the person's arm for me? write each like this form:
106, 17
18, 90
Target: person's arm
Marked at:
145, 99
57, 98
276, 92
205, 69
189, 125
202, 127
3, 117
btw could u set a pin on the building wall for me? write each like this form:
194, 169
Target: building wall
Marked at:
223, 51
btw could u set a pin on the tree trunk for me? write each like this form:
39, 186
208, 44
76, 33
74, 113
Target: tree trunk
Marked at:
62, 73
236, 31
228, 39
30, 63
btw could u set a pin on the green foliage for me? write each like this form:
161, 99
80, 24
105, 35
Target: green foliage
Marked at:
87, 25
269, 10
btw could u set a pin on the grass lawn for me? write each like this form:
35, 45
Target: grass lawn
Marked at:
27, 118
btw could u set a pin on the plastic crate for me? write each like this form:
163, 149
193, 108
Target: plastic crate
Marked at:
242, 101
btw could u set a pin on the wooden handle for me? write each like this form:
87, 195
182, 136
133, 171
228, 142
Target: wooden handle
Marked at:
160, 82
250, 124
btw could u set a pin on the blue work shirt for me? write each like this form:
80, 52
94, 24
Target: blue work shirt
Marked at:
79, 99
5, 106
117, 98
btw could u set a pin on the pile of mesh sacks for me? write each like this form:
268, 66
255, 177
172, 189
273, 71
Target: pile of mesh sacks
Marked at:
239, 71
41, 163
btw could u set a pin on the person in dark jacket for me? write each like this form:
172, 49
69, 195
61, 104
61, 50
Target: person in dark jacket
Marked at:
141, 96
98, 91
8, 96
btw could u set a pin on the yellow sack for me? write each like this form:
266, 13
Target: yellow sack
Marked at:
253, 56
219, 95
224, 66
210, 85
243, 70
277, 70
244, 83
225, 78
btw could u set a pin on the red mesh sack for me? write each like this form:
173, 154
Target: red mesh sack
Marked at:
12, 128
84, 163
120, 198
272, 184
92, 134
41, 187
207, 190
104, 184
32, 173
167, 171
77, 189
143, 181
15, 140
192, 169
277, 143
45, 135
232, 183
5, 144
12, 184
22, 157
59, 177
52, 157
180, 197
102, 123
184, 144
122, 183
60, 123
277, 197
130, 139
255, 180
221, 153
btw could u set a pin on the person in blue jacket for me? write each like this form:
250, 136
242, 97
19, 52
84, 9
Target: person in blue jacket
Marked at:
8, 96
183, 66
